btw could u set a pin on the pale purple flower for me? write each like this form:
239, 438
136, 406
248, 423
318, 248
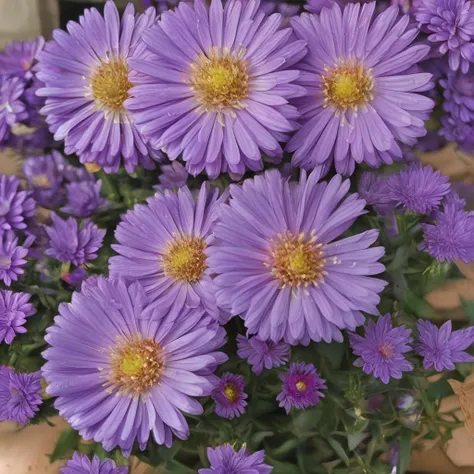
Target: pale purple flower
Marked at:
18, 57
16, 206
229, 396
373, 188
81, 464
14, 310
12, 109
173, 176
12, 257
83, 198
459, 95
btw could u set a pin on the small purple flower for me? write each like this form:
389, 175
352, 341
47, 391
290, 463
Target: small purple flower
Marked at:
442, 347
12, 257
12, 109
225, 460
18, 57
373, 188
14, 309
302, 387
450, 23
229, 396
260, 354
70, 242
81, 464
172, 176
76, 277
381, 350
16, 206
418, 188
19, 395
83, 198
459, 95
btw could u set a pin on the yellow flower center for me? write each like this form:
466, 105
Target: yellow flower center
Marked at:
92, 167
386, 350
231, 392
110, 85
41, 181
5, 261
300, 386
185, 259
297, 260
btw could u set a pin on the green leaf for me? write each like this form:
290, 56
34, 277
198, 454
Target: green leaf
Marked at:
439, 389
404, 451
353, 440
334, 352
66, 445
339, 450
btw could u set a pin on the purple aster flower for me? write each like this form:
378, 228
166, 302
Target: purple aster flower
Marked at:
455, 130
19, 395
229, 396
459, 95
76, 277
302, 387
315, 6
172, 176
225, 81
466, 192
442, 347
164, 245
279, 266
16, 206
450, 23
18, 57
362, 89
14, 309
381, 350
81, 464
29, 139
288, 10
12, 257
75, 174
85, 73
418, 188
139, 371
260, 354
70, 242
83, 198
373, 188
225, 460
12, 109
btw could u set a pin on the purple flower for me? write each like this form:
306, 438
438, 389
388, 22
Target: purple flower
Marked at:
216, 86
15, 206
381, 350
229, 396
362, 96
441, 347
418, 188
455, 130
76, 277
83, 198
260, 354
164, 245
14, 309
12, 109
450, 23
172, 176
81, 464
18, 57
85, 73
138, 372
302, 387
70, 242
459, 95
373, 188
279, 267
19, 395
315, 6
286, 9
225, 460
12, 257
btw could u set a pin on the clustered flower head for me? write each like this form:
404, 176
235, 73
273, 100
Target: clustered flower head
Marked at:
81, 464
14, 309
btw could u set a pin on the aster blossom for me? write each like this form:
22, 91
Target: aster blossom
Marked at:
224, 459
362, 97
381, 351
18, 57
12, 108
16, 206
12, 256
224, 79
138, 362
85, 107
172, 176
459, 95
302, 387
373, 189
14, 310
229, 396
279, 265
83, 198
442, 347
81, 464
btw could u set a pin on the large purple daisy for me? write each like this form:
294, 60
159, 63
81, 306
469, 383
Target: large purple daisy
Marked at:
216, 86
279, 266
362, 89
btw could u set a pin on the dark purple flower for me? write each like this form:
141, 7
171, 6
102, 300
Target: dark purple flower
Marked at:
225, 460
14, 309
12, 257
81, 464
450, 23
18, 57
71, 242
459, 95
83, 198
229, 396
279, 265
173, 176
85, 75
442, 347
12, 109
127, 369
216, 85
381, 350
76, 277
363, 93
302, 387
260, 354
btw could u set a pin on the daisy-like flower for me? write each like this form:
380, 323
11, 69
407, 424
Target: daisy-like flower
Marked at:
173, 176
139, 370
279, 267
70, 242
450, 23
362, 90
12, 256
12, 108
442, 347
381, 350
224, 459
16, 206
302, 387
83, 198
14, 309
216, 86
18, 57
459, 95
229, 396
86, 83
262, 354
164, 245
81, 464
418, 188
